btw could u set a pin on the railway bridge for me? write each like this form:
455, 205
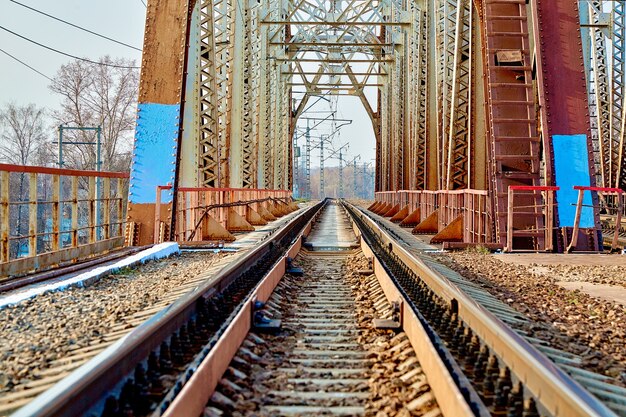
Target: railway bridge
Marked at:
199, 284
471, 103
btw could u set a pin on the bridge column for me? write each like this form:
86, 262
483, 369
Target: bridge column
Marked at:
565, 110
159, 111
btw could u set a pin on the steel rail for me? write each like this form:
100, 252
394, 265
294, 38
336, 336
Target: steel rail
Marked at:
555, 390
87, 386
13, 283
195, 394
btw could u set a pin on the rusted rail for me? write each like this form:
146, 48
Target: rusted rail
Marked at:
557, 392
442, 323
96, 385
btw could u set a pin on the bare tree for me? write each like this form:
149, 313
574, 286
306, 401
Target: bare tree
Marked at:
23, 132
23, 135
98, 95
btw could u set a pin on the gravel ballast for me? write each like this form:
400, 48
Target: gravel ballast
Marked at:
49, 326
570, 320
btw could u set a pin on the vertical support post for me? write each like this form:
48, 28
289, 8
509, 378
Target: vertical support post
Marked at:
157, 215
119, 199
340, 173
308, 161
4, 216
550, 219
296, 170
99, 195
56, 212
322, 195
32, 215
74, 211
618, 221
579, 209
194, 212
92, 209
106, 207
236, 69
509, 222
182, 214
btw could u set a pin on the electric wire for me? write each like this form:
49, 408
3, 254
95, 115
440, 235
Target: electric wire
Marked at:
73, 25
66, 54
25, 64
144, 3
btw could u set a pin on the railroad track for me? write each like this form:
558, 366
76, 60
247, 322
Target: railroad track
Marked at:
79, 355
468, 360
46, 373
329, 358
65, 271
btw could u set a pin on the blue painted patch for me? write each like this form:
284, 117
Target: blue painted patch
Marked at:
154, 156
571, 163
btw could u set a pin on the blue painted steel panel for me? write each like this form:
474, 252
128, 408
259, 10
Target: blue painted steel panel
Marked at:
571, 164
154, 156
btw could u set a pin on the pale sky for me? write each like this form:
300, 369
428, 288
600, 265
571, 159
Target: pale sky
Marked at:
122, 20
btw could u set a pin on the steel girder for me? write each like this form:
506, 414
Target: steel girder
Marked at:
209, 163
251, 54
604, 37
223, 34
598, 90
232, 88
618, 117
343, 47
417, 98
455, 46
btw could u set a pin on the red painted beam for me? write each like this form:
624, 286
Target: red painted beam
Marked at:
533, 188
599, 189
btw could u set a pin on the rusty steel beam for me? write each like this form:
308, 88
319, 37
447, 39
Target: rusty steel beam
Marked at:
562, 85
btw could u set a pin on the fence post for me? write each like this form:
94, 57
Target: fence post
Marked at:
550, 220
74, 211
56, 212
4, 216
106, 207
579, 209
509, 222
32, 215
119, 198
618, 221
92, 210
157, 215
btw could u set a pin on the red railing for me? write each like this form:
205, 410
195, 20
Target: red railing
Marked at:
195, 206
472, 205
545, 211
49, 215
474, 208
611, 199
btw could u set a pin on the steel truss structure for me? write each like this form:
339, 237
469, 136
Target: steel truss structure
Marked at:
460, 93
604, 33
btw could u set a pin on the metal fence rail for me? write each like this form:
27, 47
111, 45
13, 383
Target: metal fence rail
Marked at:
213, 214
460, 215
49, 216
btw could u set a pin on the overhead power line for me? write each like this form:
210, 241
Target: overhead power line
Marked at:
25, 64
144, 3
76, 26
66, 54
